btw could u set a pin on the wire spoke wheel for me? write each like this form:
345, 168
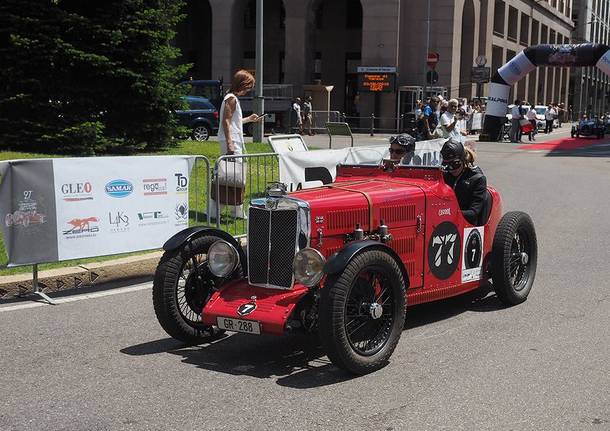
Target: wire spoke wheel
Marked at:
514, 258
362, 312
367, 332
194, 287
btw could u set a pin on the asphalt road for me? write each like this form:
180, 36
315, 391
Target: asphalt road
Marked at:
462, 364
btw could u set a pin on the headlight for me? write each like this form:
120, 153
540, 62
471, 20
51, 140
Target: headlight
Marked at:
222, 258
308, 266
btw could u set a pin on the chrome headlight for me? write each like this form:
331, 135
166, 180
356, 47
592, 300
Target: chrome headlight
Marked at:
222, 258
308, 266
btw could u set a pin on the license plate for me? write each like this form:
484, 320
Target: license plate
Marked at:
247, 326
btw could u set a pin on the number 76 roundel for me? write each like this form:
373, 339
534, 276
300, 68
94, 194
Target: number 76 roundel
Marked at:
444, 250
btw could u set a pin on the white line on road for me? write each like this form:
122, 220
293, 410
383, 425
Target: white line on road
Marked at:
74, 298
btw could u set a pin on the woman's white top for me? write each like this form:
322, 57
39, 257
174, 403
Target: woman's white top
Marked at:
235, 128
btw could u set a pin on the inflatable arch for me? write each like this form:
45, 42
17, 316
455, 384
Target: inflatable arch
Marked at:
589, 54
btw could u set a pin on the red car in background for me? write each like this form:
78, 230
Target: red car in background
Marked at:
343, 261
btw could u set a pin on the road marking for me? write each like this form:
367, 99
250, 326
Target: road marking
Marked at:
75, 298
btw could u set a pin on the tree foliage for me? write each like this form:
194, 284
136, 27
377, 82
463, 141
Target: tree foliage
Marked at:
85, 77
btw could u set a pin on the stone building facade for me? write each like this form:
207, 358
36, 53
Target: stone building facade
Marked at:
326, 40
590, 86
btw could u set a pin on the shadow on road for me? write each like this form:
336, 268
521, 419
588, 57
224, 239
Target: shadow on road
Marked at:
297, 361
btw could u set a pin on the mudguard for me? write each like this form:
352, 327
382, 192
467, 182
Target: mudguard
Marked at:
339, 261
190, 233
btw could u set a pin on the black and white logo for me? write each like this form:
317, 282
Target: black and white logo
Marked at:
182, 183
444, 250
246, 309
118, 221
474, 250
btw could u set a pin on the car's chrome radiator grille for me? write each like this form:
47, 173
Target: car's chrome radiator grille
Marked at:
271, 246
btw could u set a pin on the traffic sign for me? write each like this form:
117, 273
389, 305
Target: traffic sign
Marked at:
480, 74
432, 77
432, 59
481, 60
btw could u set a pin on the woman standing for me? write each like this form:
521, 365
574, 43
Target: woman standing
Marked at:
231, 132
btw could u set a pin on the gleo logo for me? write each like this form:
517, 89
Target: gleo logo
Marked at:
119, 188
154, 186
74, 192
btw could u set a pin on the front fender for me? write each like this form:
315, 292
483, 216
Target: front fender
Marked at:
339, 261
190, 233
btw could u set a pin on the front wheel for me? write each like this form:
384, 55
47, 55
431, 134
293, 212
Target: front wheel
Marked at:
182, 287
362, 312
514, 257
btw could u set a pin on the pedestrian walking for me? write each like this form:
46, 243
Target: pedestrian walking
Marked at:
431, 116
549, 117
307, 115
515, 129
531, 117
298, 119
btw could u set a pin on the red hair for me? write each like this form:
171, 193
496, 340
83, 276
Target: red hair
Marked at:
242, 81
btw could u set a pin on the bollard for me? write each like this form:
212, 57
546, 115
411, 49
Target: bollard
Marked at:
373, 124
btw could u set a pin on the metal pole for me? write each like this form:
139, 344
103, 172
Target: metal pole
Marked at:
426, 53
37, 290
259, 102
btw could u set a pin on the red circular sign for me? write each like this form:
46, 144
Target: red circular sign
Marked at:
432, 59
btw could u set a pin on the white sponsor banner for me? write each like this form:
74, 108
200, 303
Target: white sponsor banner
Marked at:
516, 68
604, 63
307, 169
109, 205
497, 100
477, 121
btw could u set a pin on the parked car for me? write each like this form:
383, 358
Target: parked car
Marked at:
201, 118
588, 127
343, 261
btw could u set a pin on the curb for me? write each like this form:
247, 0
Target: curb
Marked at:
93, 274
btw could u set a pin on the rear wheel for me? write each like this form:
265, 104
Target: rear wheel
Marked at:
182, 287
362, 312
514, 258
201, 132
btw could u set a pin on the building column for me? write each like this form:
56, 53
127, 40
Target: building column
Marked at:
296, 52
224, 38
380, 47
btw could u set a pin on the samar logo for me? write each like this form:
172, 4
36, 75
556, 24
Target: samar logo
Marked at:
119, 188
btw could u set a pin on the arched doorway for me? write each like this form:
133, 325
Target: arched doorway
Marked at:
467, 49
337, 50
194, 38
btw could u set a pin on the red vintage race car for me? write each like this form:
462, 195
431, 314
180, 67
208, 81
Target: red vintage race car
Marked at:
343, 260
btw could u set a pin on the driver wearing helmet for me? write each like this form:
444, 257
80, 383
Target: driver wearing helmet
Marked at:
466, 179
402, 149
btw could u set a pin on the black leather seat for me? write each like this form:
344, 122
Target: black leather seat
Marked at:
486, 212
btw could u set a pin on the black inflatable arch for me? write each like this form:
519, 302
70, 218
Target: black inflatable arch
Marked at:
588, 54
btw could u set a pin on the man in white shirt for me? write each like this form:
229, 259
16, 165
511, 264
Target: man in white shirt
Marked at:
549, 116
450, 122
515, 129
296, 108
531, 117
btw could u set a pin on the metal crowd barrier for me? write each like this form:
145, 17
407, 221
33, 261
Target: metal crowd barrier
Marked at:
373, 124
320, 118
237, 179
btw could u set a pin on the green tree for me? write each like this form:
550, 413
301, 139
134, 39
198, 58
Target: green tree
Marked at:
84, 77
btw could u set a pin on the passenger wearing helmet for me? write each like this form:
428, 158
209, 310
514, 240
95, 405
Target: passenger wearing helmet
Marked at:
466, 179
402, 149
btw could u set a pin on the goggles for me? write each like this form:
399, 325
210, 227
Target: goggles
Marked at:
451, 165
398, 151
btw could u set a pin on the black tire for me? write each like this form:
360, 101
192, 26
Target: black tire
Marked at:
201, 132
514, 257
178, 308
348, 294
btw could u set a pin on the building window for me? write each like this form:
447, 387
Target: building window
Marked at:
250, 14
499, 9
552, 37
535, 27
525, 29
513, 18
317, 66
320, 16
543, 34
496, 57
353, 14
249, 60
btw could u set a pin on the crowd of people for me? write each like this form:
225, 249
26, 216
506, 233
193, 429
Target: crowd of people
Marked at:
524, 119
436, 117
